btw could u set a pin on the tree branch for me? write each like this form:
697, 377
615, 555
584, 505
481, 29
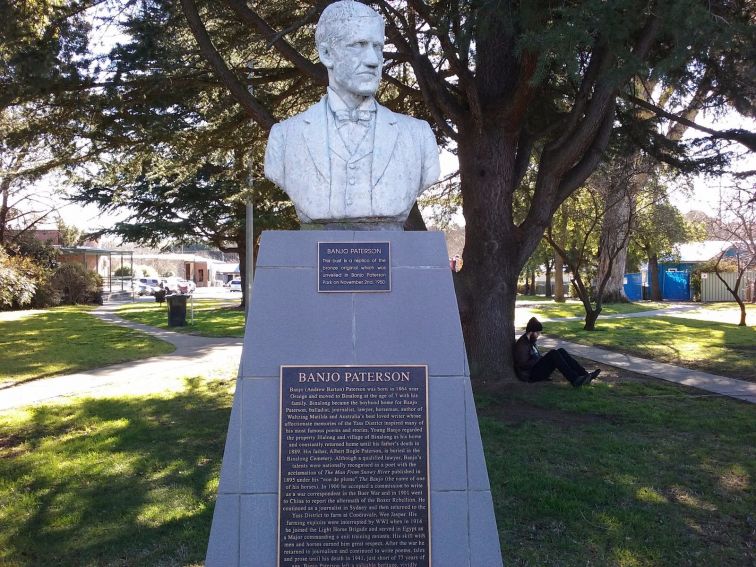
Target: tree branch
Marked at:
317, 72
748, 139
580, 172
257, 111
436, 96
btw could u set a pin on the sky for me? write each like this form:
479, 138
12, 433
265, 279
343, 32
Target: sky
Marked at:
704, 196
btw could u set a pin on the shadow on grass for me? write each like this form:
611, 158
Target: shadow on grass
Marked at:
661, 479
720, 348
64, 340
124, 481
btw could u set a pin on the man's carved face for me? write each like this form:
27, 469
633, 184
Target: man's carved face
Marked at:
355, 61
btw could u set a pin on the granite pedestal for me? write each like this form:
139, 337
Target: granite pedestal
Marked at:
290, 323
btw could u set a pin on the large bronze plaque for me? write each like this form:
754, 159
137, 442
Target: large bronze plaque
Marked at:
353, 471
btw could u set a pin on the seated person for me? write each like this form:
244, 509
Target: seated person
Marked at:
530, 366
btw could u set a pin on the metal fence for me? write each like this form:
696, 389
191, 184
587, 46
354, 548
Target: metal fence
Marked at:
712, 288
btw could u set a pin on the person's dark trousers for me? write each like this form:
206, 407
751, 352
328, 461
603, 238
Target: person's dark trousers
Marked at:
558, 359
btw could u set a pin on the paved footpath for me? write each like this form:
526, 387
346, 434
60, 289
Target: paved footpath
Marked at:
200, 356
194, 356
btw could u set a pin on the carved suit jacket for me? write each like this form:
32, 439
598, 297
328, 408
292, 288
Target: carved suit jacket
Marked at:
402, 164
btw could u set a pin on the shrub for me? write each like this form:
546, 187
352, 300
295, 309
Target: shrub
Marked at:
77, 284
46, 295
17, 285
123, 271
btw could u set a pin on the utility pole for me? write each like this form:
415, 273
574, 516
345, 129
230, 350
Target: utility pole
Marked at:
249, 221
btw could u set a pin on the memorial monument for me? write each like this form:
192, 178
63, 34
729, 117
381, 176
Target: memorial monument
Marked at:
353, 439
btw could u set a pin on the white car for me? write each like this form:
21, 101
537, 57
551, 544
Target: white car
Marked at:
234, 285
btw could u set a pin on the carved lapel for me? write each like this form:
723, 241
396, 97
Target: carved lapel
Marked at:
315, 136
386, 133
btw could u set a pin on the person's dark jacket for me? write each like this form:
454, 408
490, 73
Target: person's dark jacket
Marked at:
525, 357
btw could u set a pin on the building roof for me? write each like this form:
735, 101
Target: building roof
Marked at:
90, 250
228, 268
175, 256
701, 251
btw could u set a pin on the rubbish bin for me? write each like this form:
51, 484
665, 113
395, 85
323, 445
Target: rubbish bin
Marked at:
176, 309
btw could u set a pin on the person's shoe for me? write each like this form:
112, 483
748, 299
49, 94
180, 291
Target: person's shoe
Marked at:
579, 381
590, 376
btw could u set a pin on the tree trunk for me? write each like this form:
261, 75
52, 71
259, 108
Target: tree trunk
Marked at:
4, 209
591, 316
735, 292
742, 312
615, 289
547, 287
613, 253
653, 277
533, 290
560, 229
558, 278
494, 254
591, 313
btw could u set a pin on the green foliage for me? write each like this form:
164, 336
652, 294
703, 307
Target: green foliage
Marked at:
42, 254
46, 294
76, 284
69, 235
581, 214
43, 64
17, 286
123, 271
504, 84
26, 275
659, 226
180, 158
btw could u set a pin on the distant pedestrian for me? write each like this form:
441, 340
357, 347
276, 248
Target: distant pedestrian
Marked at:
531, 366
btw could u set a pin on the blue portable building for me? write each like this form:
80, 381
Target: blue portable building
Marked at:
674, 274
633, 286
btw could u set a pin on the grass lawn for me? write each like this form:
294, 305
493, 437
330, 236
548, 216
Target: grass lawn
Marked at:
552, 310
624, 473
627, 472
35, 344
726, 306
114, 481
720, 348
212, 317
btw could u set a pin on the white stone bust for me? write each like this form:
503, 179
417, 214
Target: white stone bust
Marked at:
347, 161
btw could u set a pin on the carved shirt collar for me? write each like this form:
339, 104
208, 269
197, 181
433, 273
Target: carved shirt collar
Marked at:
342, 113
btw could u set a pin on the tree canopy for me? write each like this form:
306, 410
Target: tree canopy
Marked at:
519, 90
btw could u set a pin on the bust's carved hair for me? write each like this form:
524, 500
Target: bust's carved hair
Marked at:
332, 24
